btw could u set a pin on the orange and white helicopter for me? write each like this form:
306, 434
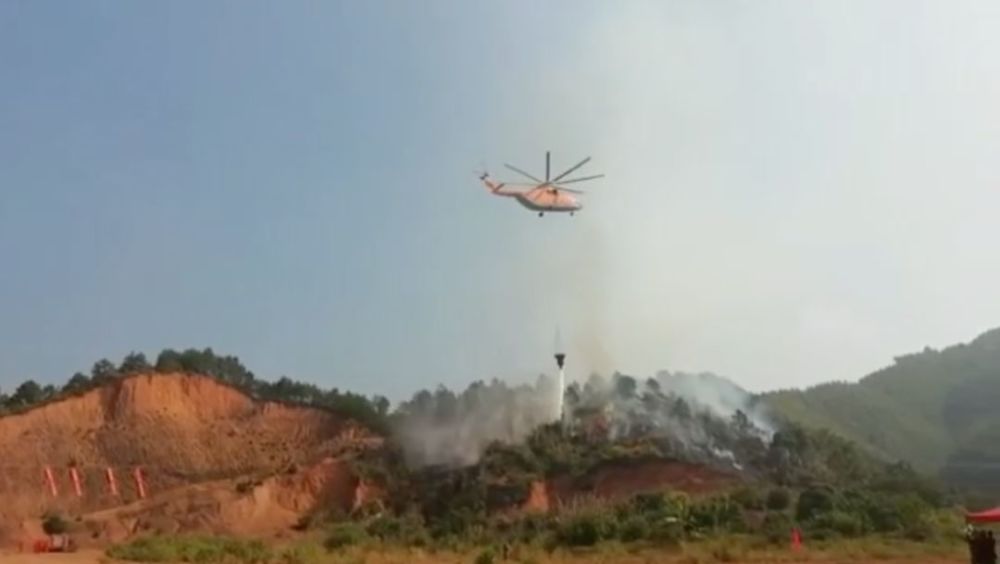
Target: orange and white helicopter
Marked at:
549, 195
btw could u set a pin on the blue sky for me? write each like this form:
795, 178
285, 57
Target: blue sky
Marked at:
795, 193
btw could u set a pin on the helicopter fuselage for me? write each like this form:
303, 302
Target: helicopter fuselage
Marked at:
540, 198
543, 200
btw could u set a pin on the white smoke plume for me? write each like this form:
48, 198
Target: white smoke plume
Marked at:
720, 396
444, 428
699, 417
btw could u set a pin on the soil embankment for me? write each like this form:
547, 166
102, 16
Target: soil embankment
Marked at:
182, 431
615, 481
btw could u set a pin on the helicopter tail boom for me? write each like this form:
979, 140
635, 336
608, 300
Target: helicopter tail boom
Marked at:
493, 187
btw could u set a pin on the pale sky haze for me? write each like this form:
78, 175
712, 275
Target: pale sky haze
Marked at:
796, 191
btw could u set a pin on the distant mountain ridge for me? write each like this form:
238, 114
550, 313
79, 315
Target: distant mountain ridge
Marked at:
939, 410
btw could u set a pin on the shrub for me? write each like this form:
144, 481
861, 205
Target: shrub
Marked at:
812, 502
748, 498
202, 550
385, 527
649, 503
580, 530
407, 529
715, 515
667, 530
776, 527
920, 529
838, 522
54, 524
149, 549
342, 535
778, 499
633, 529
486, 557
529, 527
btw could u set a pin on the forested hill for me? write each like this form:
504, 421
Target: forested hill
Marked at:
939, 410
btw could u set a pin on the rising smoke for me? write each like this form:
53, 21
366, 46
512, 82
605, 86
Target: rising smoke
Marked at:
444, 428
700, 417
718, 395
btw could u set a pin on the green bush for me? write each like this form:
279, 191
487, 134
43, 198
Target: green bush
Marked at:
839, 523
648, 503
813, 502
715, 515
54, 524
153, 549
342, 535
778, 499
776, 527
920, 529
666, 530
407, 529
486, 557
633, 528
385, 527
580, 530
193, 549
748, 498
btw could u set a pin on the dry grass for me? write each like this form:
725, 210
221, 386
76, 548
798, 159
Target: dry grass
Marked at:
736, 550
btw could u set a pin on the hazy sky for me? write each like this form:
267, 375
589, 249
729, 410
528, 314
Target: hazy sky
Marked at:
796, 191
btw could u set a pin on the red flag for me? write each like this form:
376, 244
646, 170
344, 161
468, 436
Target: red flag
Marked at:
140, 485
75, 476
109, 474
51, 480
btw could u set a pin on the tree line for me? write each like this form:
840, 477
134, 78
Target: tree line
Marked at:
225, 368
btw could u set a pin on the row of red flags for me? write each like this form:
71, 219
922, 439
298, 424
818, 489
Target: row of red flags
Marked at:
109, 477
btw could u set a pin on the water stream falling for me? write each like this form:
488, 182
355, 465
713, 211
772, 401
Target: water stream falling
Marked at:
561, 388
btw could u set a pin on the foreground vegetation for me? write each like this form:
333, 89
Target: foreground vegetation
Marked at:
890, 520
208, 550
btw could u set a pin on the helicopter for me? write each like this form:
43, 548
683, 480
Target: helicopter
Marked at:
549, 195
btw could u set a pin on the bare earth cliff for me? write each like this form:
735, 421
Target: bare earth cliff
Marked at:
211, 457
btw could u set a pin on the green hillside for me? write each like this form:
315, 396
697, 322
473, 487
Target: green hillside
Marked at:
939, 410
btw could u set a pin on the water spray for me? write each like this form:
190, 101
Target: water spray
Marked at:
561, 389
560, 358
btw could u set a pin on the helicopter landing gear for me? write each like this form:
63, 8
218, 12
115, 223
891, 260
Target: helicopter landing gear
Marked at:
540, 214
571, 214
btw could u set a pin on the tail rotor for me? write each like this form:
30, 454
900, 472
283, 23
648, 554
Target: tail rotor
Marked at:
481, 172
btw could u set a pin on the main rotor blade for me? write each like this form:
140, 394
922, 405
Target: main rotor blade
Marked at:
581, 179
574, 167
546, 166
522, 173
